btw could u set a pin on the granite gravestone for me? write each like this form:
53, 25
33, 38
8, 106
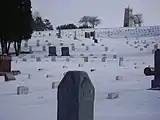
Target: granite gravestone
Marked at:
87, 35
5, 63
85, 59
65, 51
52, 51
156, 82
76, 96
75, 35
22, 90
121, 60
59, 33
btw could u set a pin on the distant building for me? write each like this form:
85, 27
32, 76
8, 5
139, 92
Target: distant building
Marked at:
128, 18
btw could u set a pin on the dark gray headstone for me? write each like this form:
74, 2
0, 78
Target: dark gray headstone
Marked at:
52, 51
87, 35
22, 90
76, 96
59, 34
156, 81
75, 35
65, 51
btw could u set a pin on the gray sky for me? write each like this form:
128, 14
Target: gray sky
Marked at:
110, 11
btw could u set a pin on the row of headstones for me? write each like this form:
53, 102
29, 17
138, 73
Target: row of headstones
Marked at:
75, 96
86, 59
145, 46
139, 32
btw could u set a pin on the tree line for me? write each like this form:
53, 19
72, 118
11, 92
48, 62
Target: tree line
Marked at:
17, 23
85, 22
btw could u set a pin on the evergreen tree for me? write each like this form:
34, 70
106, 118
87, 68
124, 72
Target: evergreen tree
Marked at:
16, 24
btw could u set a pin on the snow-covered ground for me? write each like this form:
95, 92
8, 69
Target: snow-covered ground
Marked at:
134, 101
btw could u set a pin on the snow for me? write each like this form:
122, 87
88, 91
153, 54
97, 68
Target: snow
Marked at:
135, 102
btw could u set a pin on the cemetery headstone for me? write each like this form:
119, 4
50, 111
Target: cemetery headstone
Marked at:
67, 59
119, 77
30, 49
87, 48
114, 56
156, 46
61, 44
87, 35
53, 58
141, 49
113, 95
52, 51
9, 77
82, 44
38, 43
106, 49
75, 35
95, 41
156, 81
73, 48
76, 96
104, 59
48, 44
65, 51
55, 84
44, 48
85, 59
5, 63
26, 44
38, 59
21, 90
59, 33
121, 60
93, 34
24, 59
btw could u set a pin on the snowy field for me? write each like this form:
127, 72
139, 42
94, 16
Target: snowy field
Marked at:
134, 101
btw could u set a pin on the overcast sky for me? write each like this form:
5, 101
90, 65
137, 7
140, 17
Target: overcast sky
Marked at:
110, 11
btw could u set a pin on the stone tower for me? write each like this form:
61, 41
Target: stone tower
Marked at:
128, 14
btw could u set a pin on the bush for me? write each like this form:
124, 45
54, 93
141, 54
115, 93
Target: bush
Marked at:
67, 26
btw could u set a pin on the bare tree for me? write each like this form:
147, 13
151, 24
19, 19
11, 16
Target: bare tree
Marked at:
84, 20
94, 21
